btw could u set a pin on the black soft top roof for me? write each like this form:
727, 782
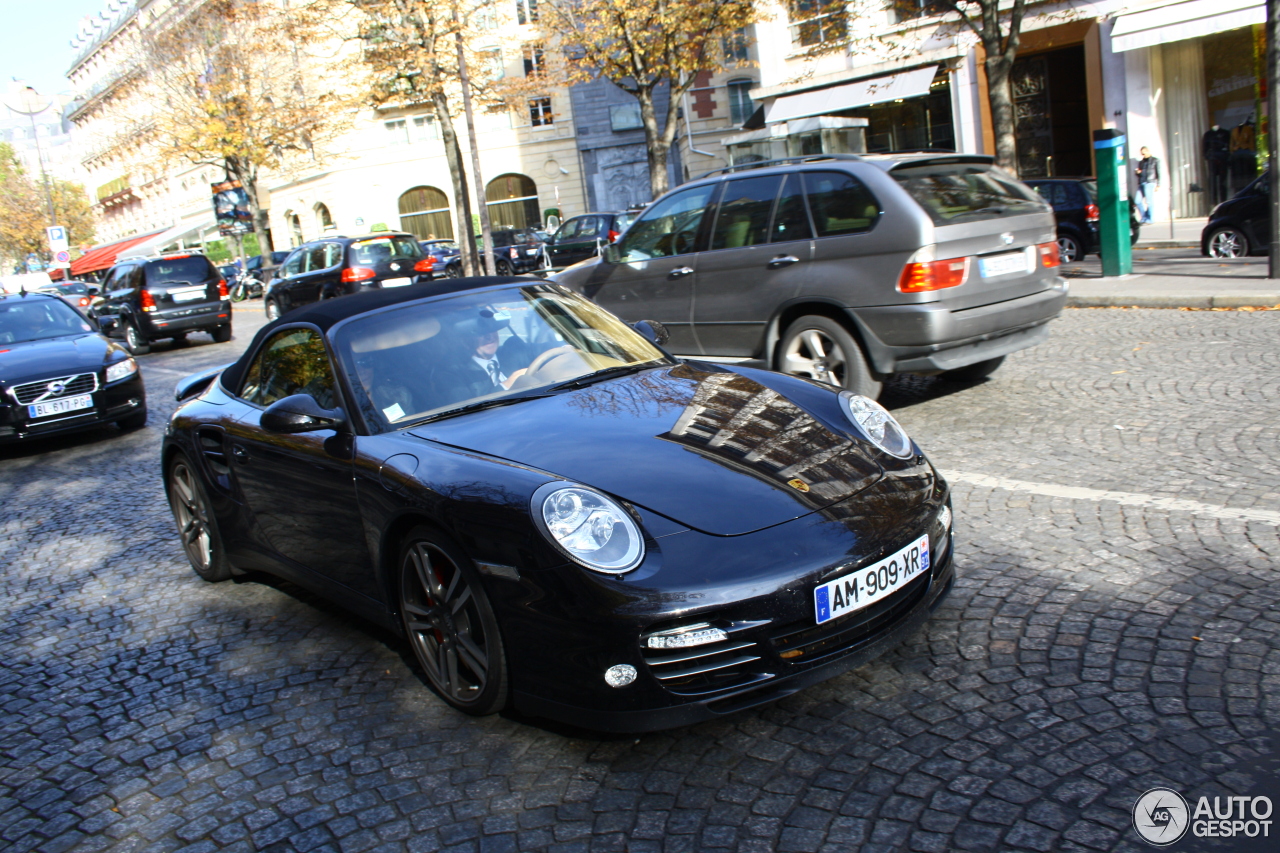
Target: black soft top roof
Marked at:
328, 312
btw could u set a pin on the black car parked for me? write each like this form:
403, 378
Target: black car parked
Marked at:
581, 237
58, 374
444, 254
1241, 225
553, 512
519, 251
338, 266
1075, 207
148, 299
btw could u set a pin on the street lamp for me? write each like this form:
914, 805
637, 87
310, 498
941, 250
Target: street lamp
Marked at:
30, 103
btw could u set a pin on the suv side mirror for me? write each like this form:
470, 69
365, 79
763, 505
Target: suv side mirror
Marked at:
652, 331
106, 324
301, 413
611, 254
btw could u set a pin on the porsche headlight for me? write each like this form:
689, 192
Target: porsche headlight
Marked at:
121, 369
589, 528
875, 424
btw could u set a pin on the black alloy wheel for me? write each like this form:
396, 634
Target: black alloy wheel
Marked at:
272, 310
453, 271
1069, 248
451, 625
502, 267
133, 339
819, 348
197, 527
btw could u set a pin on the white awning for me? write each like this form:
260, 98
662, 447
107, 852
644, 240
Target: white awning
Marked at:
156, 244
1189, 19
862, 93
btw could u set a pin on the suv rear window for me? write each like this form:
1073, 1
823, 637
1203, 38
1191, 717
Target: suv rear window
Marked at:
193, 269
374, 250
965, 192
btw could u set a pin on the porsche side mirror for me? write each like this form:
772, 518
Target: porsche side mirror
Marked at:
652, 331
301, 413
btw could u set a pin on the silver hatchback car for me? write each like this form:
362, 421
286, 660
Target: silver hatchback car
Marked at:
846, 269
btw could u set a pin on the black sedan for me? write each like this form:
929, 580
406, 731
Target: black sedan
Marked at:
58, 374
558, 515
445, 256
1241, 225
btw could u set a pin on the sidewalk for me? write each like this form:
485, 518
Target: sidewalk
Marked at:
1174, 278
1184, 234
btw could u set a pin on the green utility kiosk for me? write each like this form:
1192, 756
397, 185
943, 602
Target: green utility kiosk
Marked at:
1113, 202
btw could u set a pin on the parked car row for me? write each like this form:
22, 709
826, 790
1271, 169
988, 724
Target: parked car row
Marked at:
1241, 225
1075, 209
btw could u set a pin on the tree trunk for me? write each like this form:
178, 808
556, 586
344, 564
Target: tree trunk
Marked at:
482, 204
1003, 119
261, 222
458, 174
656, 146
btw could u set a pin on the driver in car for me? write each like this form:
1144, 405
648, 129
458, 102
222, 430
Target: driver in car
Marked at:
485, 367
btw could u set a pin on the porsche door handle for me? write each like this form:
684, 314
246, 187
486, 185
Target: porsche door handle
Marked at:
783, 261
241, 455
680, 272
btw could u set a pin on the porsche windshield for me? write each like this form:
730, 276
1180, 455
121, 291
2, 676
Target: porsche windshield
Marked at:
38, 319
427, 359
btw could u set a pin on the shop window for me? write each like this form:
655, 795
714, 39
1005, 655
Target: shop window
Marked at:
512, 201
815, 22
540, 112
424, 212
740, 106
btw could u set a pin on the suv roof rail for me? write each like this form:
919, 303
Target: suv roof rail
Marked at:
781, 161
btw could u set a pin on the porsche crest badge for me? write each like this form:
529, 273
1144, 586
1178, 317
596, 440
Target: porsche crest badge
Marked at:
798, 484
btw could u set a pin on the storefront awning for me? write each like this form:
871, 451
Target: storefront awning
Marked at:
862, 93
101, 257
157, 242
1189, 19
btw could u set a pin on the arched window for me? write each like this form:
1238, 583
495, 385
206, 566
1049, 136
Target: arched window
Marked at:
424, 212
740, 106
512, 202
295, 229
323, 218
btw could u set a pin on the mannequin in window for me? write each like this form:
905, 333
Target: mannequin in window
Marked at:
1216, 149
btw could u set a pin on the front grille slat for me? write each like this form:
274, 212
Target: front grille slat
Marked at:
39, 391
708, 668
703, 669
694, 653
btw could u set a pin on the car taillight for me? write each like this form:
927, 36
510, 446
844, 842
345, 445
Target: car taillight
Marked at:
222, 288
148, 301
515, 253
357, 274
84, 301
919, 276
1049, 256
1091, 212
425, 265
613, 235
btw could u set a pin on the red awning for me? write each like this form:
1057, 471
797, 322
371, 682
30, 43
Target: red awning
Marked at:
101, 257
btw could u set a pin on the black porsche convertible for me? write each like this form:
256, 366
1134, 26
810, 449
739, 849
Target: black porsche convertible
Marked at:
557, 514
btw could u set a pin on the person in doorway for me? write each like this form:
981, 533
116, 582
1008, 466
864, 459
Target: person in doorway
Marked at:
1148, 173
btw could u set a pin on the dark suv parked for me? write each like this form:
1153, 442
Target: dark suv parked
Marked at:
519, 251
845, 269
148, 299
1075, 208
582, 237
337, 266
1241, 225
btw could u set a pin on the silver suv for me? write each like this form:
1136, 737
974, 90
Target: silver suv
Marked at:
842, 268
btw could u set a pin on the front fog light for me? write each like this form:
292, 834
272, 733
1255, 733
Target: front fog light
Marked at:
683, 638
875, 424
589, 527
620, 675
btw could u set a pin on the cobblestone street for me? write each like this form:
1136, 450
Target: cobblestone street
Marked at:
1115, 626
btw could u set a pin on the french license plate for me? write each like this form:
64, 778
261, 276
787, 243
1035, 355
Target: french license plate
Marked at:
1003, 264
854, 591
396, 282
62, 406
188, 295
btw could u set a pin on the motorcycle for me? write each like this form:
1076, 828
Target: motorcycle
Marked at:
246, 287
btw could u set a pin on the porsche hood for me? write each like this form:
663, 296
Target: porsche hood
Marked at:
711, 449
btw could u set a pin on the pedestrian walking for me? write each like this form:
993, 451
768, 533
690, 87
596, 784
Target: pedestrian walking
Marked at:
1148, 173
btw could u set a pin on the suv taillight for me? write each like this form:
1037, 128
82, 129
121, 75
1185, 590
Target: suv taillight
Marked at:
1049, 255
222, 289
425, 265
148, 301
357, 274
613, 235
515, 253
1091, 212
918, 276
